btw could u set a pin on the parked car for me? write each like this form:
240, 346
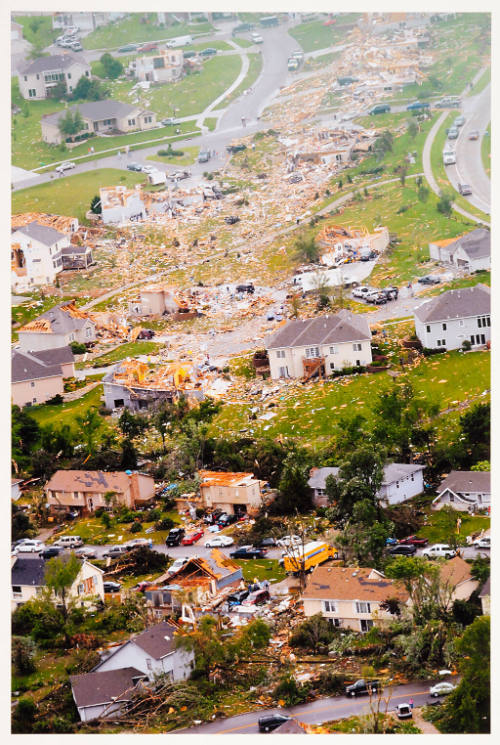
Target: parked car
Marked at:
219, 541
453, 133
178, 564
439, 550
137, 543
272, 721
236, 598
441, 689
179, 175
267, 542
459, 121
413, 540
212, 517
134, 167
68, 541
175, 537
464, 189
149, 169
473, 134
76, 47
111, 586
482, 542
391, 542
248, 552
225, 520
402, 550
361, 292
188, 540
231, 220
391, 293
289, 540
114, 551
381, 108
204, 156
257, 598
208, 52
361, 687
30, 547
417, 106
429, 280
86, 552
257, 39
404, 711
128, 48
50, 552
66, 166
168, 120
150, 46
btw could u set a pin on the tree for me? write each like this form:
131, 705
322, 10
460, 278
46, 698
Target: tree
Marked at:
423, 194
23, 652
306, 250
113, 68
21, 526
295, 304
294, 494
70, 124
161, 419
445, 203
95, 205
132, 425
25, 434
42, 464
482, 465
413, 129
89, 425
402, 174
23, 717
89, 90
359, 478
475, 426
401, 421
480, 569
312, 633
431, 595
59, 576
365, 535
383, 144
58, 441
128, 458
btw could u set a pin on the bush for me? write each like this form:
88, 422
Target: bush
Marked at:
290, 692
152, 515
24, 716
136, 528
166, 523
313, 633
23, 651
429, 352
78, 348
466, 345
55, 400
329, 682
402, 209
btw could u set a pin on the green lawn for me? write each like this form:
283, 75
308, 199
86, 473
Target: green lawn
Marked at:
188, 158
129, 349
37, 30
310, 413
66, 413
133, 29
210, 122
481, 83
253, 73
260, 569
243, 42
315, 35
91, 530
486, 150
442, 527
71, 195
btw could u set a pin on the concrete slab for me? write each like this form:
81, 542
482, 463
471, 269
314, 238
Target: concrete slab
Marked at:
20, 174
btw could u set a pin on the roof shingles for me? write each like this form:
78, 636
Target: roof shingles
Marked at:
463, 303
341, 327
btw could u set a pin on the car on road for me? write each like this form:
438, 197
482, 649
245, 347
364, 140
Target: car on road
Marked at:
464, 189
289, 540
188, 540
402, 550
204, 156
208, 52
148, 169
179, 175
137, 543
68, 541
86, 552
361, 687
429, 280
272, 721
76, 47
50, 552
150, 46
111, 586
374, 296
248, 552
418, 106
66, 166
175, 537
453, 133
219, 541
441, 689
231, 220
482, 542
249, 287
134, 167
30, 547
459, 121
178, 564
168, 120
404, 711
236, 598
114, 551
268, 542
413, 540
128, 48
473, 134
439, 550
381, 108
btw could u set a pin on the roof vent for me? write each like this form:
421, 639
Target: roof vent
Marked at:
354, 574
167, 638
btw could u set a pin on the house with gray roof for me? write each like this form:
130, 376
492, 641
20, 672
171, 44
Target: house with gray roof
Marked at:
401, 481
36, 256
455, 316
470, 252
56, 328
39, 77
466, 491
319, 346
153, 652
38, 376
104, 694
100, 117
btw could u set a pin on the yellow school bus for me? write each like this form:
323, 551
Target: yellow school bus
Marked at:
314, 553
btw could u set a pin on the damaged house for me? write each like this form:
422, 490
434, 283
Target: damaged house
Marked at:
36, 256
56, 328
340, 243
160, 300
470, 252
233, 493
121, 204
85, 491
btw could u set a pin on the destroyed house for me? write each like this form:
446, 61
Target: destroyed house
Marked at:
165, 66
352, 597
471, 252
105, 694
38, 376
136, 386
121, 204
339, 242
158, 300
36, 256
66, 225
56, 328
86, 491
319, 346
233, 493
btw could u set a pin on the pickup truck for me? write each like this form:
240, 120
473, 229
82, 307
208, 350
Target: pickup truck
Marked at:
361, 687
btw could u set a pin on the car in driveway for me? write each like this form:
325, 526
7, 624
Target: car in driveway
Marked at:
219, 541
114, 551
413, 540
361, 292
248, 552
482, 542
111, 586
30, 547
134, 167
429, 280
438, 551
68, 165
50, 552
224, 520
362, 687
473, 134
272, 721
441, 689
175, 537
402, 550
464, 189
289, 540
188, 540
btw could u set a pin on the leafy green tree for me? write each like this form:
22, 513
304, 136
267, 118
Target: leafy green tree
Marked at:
21, 526
95, 205
89, 90
482, 465
70, 124
306, 249
480, 569
42, 464
132, 425
401, 424
423, 194
364, 536
475, 426
25, 434
23, 654
59, 576
412, 129
431, 595
294, 494
359, 478
128, 458
57, 440
113, 68
23, 717
445, 203
89, 424
312, 633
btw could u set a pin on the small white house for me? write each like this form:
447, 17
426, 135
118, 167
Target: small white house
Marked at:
456, 316
36, 256
152, 652
470, 252
28, 581
466, 491
401, 481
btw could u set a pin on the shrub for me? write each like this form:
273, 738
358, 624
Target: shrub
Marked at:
152, 515
136, 528
166, 523
24, 716
402, 209
55, 400
466, 345
23, 650
429, 352
78, 348
290, 692
329, 682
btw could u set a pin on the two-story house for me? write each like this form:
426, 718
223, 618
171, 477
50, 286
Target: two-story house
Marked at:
470, 252
234, 493
36, 256
401, 481
164, 67
465, 491
456, 316
319, 346
28, 582
352, 597
57, 327
39, 77
38, 376
85, 491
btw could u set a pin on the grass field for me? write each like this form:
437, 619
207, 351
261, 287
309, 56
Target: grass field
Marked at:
71, 195
481, 83
486, 151
310, 413
254, 70
135, 30
210, 122
37, 30
91, 530
243, 42
187, 159
66, 413
129, 349
315, 35
441, 527
260, 569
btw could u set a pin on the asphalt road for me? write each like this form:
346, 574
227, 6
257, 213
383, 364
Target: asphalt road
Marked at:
317, 712
469, 167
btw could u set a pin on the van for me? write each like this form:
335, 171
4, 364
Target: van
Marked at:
381, 108
314, 553
449, 157
157, 177
69, 541
204, 156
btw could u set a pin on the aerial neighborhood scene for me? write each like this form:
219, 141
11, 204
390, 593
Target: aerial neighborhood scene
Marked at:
250, 372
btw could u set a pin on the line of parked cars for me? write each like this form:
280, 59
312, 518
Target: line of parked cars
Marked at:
70, 40
374, 295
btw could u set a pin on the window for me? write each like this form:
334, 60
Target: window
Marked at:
397, 484
32, 92
333, 350
284, 372
312, 352
356, 347
38, 77
25, 79
148, 119
472, 338
444, 327
460, 323
335, 622
332, 366
412, 478
329, 606
358, 363
365, 624
131, 122
69, 76
32, 383
362, 607
428, 329
87, 73
451, 498
280, 353
149, 664
34, 400
16, 588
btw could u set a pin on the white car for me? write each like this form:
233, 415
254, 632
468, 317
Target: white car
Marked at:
66, 166
148, 169
439, 550
138, 542
86, 552
68, 541
178, 564
361, 291
482, 542
441, 689
289, 540
219, 541
30, 546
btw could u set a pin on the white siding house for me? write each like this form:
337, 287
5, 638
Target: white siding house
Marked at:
466, 491
28, 582
36, 257
56, 328
401, 481
456, 316
470, 252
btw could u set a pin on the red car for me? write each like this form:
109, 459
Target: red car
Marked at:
147, 47
412, 540
190, 539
